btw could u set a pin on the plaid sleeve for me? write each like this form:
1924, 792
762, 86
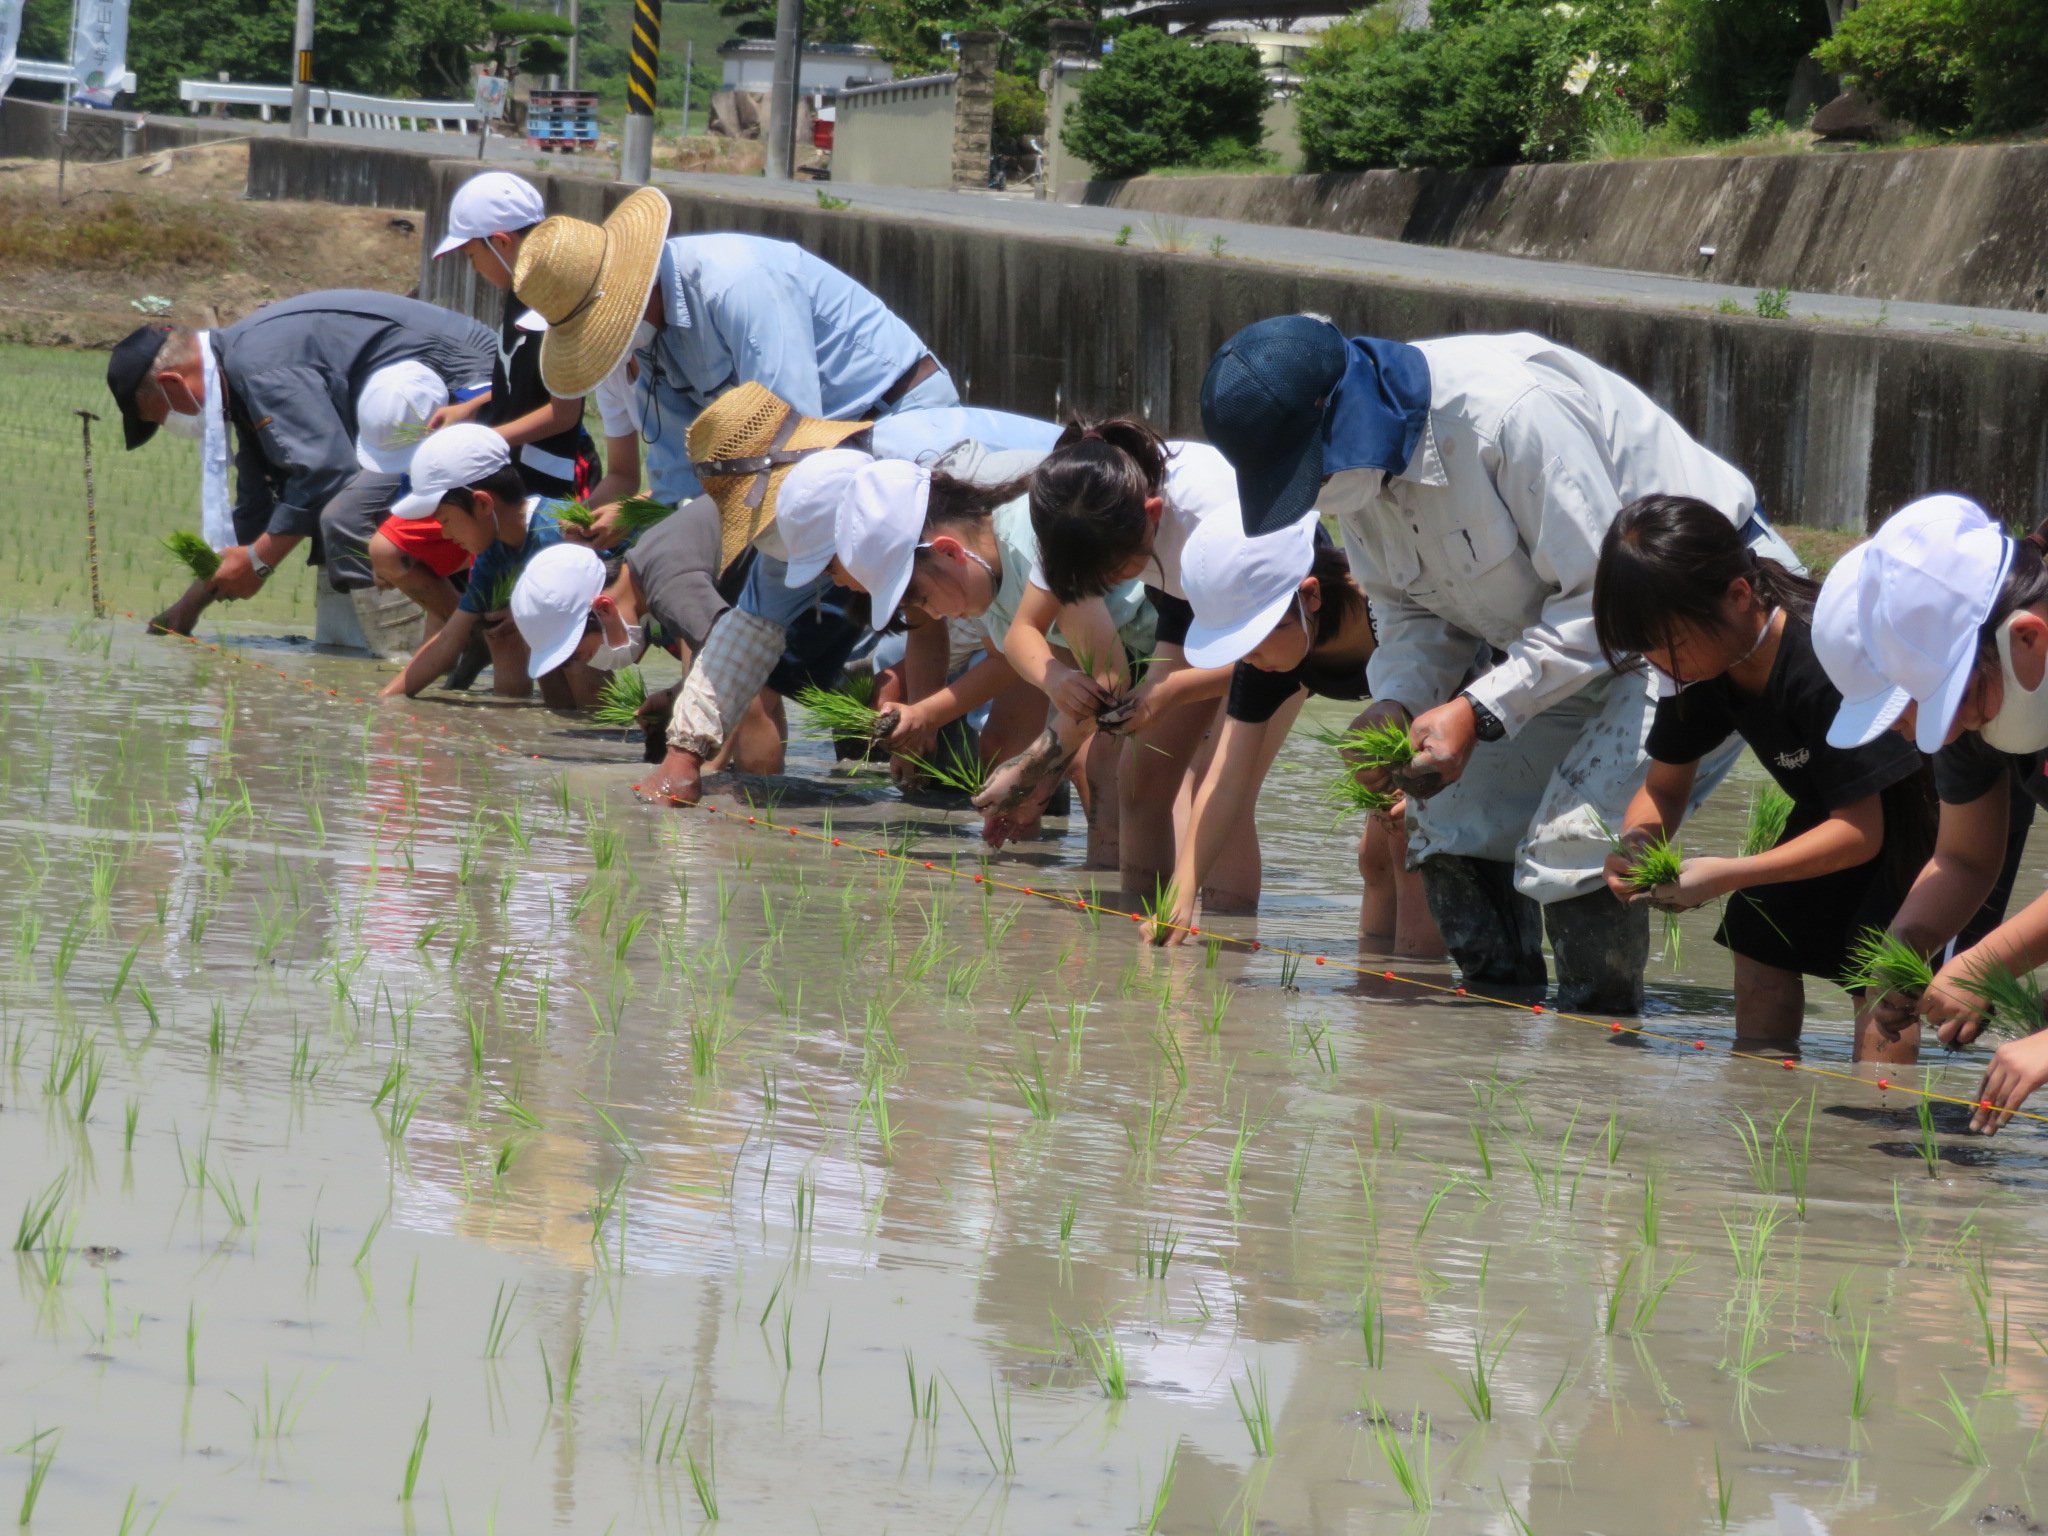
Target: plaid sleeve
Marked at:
738, 655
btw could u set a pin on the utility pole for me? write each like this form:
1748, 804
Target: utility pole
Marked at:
575, 40
302, 71
689, 73
783, 87
643, 71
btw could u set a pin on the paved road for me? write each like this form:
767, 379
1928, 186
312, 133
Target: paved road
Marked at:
1316, 249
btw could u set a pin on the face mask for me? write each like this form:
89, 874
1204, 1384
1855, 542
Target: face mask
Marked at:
610, 658
643, 336
191, 428
1351, 490
2021, 724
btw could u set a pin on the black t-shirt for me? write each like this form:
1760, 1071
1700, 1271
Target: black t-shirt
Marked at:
1786, 725
1256, 694
1969, 767
516, 390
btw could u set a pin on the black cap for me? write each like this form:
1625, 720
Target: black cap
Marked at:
130, 367
1262, 406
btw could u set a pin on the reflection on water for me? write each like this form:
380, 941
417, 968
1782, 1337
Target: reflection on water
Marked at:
370, 1092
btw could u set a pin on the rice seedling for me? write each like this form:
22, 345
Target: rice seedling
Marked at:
274, 1416
1860, 1397
39, 1459
1372, 1322
1407, 1460
417, 1455
1162, 1492
1965, 1441
38, 1216
1157, 908
131, 1513
962, 771
1652, 1292
1003, 1454
2013, 1005
1880, 962
1724, 1490
1157, 1243
1616, 1292
1254, 1410
1476, 1391
704, 1474
1749, 1358
1770, 808
1105, 1358
192, 552
1928, 1147
1034, 1090
619, 701
1751, 1243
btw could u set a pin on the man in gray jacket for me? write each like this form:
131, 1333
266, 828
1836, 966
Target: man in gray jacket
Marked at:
286, 379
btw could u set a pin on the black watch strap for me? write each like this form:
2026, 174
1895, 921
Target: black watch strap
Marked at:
1487, 722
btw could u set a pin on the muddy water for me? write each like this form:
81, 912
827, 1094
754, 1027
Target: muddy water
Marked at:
448, 1087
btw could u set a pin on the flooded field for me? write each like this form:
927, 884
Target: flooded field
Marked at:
410, 1134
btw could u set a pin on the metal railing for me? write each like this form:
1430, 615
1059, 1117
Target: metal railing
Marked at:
51, 72
339, 109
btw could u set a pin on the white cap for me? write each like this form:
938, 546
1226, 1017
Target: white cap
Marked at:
807, 509
495, 203
878, 528
1897, 619
392, 412
551, 603
1241, 587
452, 458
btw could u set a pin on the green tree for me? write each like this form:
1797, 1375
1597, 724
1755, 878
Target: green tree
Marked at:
2012, 65
1914, 57
1731, 59
1162, 101
1020, 112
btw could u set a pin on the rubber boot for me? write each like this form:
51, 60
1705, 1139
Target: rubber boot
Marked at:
476, 655
1601, 948
1494, 933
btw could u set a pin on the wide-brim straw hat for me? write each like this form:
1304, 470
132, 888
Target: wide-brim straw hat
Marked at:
590, 283
743, 446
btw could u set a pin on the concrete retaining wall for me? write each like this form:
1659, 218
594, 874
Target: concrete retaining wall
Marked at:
309, 171
1838, 426
28, 131
1947, 226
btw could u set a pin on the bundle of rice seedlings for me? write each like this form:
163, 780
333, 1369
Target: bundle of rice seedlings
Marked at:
619, 701
2013, 1005
637, 513
574, 514
196, 554
1880, 962
1383, 744
1770, 808
962, 771
839, 712
497, 597
1654, 864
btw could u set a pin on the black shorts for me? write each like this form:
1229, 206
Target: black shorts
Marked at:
1808, 926
1175, 615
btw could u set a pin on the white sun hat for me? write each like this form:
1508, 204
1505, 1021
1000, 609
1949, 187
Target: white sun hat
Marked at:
551, 603
879, 525
392, 412
1241, 587
807, 509
452, 458
1898, 617
495, 203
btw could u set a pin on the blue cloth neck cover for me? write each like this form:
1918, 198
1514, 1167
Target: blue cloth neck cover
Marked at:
1377, 411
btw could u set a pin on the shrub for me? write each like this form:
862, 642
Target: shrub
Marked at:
2012, 65
1728, 58
1161, 101
1913, 57
1020, 112
1444, 95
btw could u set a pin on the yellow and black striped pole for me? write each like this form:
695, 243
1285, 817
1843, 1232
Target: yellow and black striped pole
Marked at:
643, 72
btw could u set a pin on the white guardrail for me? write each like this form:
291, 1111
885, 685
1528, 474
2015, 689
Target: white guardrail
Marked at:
342, 109
52, 73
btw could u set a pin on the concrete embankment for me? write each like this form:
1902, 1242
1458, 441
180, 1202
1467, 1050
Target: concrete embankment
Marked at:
1838, 425
1946, 226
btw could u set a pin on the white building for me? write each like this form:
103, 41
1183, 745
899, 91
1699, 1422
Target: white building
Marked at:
749, 65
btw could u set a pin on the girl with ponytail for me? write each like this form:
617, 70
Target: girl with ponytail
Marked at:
1112, 503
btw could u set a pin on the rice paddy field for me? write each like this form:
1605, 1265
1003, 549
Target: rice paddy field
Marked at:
404, 1129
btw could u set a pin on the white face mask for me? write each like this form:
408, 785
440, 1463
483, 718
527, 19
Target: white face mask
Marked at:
191, 428
1351, 490
610, 658
643, 336
2021, 724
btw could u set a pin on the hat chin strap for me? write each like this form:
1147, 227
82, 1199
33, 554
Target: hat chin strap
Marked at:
760, 466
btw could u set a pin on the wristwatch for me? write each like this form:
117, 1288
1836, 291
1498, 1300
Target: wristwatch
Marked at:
1486, 723
256, 564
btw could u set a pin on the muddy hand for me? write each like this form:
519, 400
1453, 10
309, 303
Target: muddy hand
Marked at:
678, 781
1419, 779
183, 615
1013, 781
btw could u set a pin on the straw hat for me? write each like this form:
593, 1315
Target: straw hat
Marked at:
590, 284
743, 446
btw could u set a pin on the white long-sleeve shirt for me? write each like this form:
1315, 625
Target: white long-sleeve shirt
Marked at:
1491, 534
